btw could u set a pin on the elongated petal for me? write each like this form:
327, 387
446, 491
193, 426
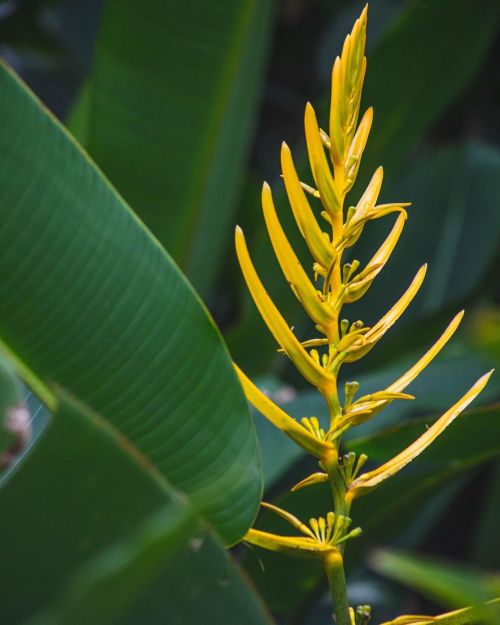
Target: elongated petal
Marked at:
389, 319
279, 418
369, 198
464, 616
347, 83
310, 480
311, 299
319, 165
316, 240
290, 518
367, 407
381, 395
365, 482
337, 114
378, 261
292, 545
357, 148
311, 371
355, 228
402, 382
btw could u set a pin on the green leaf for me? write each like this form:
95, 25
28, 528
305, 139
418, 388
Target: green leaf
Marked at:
414, 73
90, 300
458, 241
420, 67
486, 545
170, 571
173, 101
79, 503
452, 585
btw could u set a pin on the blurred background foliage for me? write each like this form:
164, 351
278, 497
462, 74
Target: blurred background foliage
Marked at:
184, 106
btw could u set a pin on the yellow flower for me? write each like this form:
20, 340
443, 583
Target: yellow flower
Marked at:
323, 289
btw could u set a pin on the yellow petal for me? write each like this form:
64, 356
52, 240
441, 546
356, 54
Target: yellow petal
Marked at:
377, 263
319, 165
337, 139
463, 616
367, 407
315, 239
290, 518
312, 300
309, 369
402, 382
347, 82
411, 619
369, 197
357, 148
376, 332
365, 482
292, 545
310, 480
279, 418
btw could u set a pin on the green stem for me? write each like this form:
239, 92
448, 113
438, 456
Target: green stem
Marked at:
334, 568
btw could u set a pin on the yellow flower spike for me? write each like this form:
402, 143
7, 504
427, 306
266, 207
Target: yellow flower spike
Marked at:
376, 332
314, 237
377, 263
290, 518
279, 418
347, 82
328, 191
312, 371
310, 480
367, 481
311, 299
339, 340
356, 150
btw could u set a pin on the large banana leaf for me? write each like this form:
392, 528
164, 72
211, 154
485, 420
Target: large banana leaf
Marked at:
90, 300
170, 110
84, 489
171, 572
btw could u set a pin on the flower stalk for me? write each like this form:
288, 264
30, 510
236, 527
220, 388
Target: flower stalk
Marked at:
324, 290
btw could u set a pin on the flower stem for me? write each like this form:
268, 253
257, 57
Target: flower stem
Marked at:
334, 568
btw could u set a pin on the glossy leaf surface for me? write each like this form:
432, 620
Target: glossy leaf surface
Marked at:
77, 510
90, 300
171, 106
